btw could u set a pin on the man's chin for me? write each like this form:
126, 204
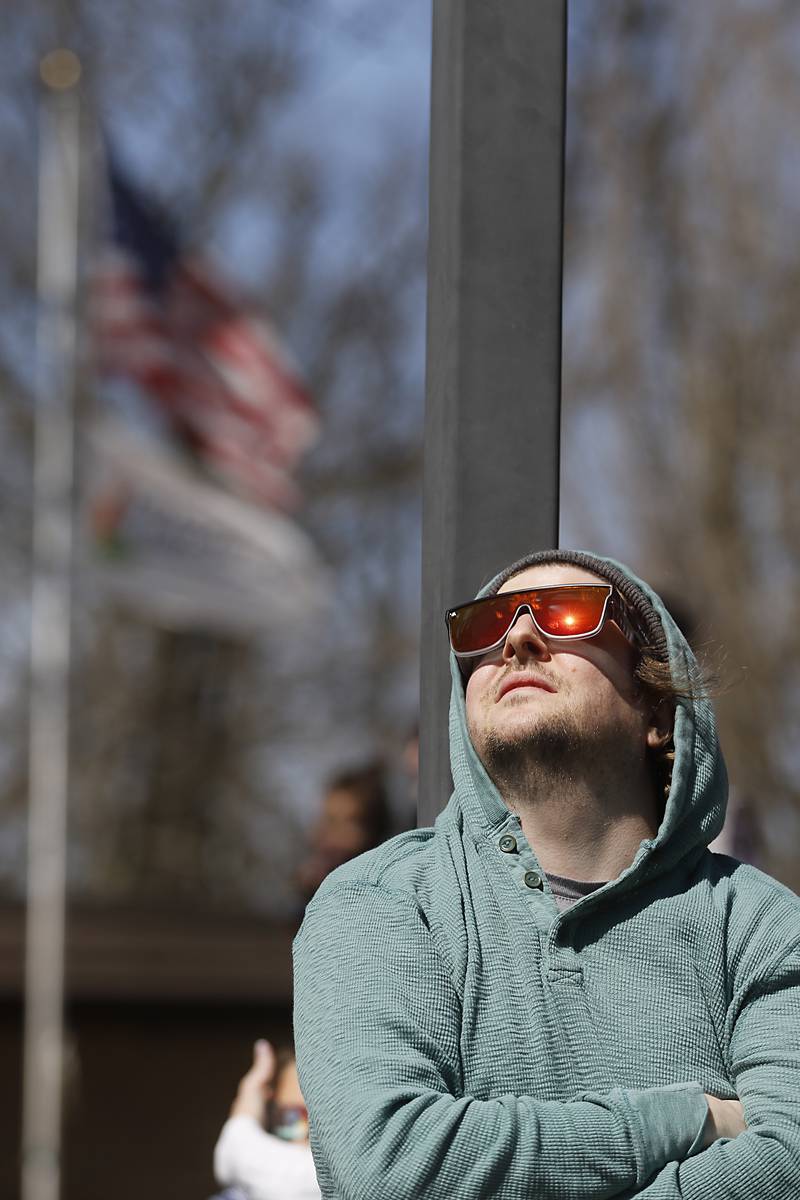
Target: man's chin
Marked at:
530, 738
520, 725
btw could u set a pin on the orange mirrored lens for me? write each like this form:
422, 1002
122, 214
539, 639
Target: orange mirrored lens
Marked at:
571, 611
480, 625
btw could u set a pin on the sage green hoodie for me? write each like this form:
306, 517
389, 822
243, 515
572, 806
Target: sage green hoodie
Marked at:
457, 1036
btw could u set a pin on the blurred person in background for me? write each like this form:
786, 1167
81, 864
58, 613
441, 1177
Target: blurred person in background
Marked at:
354, 817
275, 1163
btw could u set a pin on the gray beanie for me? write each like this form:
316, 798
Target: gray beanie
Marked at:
606, 569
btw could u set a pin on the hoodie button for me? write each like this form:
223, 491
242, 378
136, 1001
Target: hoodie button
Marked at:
507, 843
533, 879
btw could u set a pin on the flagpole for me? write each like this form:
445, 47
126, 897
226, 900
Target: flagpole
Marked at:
59, 154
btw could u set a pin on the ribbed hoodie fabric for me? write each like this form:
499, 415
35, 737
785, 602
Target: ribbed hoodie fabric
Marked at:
457, 1036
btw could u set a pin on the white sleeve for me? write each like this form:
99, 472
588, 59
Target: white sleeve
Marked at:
267, 1167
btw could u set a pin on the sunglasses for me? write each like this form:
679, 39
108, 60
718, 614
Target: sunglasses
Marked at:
561, 612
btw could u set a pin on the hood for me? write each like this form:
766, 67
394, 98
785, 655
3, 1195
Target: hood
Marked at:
695, 807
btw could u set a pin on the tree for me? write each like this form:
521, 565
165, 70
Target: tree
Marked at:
680, 361
194, 755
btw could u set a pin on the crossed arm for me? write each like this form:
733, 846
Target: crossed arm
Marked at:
763, 1162
379, 1066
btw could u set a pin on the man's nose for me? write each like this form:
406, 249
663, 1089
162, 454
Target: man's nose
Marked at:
524, 640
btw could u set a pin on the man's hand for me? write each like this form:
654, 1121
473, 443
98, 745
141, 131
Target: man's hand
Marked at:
725, 1120
255, 1088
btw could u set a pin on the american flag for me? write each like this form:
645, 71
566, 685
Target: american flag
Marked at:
225, 386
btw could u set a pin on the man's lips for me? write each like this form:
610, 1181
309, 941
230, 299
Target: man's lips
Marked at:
524, 681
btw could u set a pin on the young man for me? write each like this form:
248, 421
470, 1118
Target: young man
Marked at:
558, 992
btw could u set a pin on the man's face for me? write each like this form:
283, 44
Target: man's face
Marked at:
288, 1115
533, 697
343, 821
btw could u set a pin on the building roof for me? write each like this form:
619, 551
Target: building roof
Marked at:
130, 954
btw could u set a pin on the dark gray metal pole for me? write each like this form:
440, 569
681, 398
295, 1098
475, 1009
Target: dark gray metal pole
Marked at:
491, 470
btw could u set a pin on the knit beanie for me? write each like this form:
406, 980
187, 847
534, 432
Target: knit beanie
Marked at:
606, 569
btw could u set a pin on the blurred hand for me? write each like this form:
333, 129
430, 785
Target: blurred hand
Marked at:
255, 1088
725, 1120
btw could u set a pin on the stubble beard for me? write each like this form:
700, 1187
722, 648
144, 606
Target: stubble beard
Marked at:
553, 754
517, 760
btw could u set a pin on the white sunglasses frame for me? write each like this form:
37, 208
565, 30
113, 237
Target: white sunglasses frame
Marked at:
620, 615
